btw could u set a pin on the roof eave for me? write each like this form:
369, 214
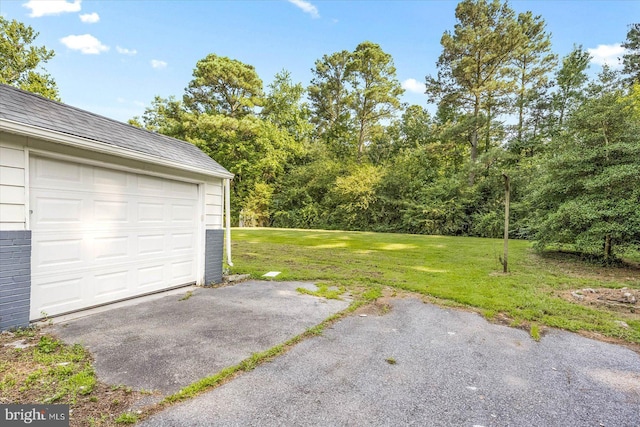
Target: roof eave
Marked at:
89, 144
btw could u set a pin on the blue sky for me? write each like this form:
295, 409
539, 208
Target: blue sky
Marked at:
113, 57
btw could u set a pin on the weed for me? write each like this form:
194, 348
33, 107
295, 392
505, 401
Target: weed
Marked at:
47, 344
390, 360
535, 332
324, 291
127, 418
186, 296
27, 332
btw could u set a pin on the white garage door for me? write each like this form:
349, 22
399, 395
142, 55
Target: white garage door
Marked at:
100, 235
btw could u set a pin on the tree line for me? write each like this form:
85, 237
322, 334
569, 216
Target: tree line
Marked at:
343, 152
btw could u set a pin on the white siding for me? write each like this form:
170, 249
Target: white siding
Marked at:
12, 182
213, 204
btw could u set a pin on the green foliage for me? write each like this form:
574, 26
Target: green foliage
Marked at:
351, 94
256, 151
375, 89
225, 86
571, 79
531, 65
589, 190
354, 197
631, 57
126, 418
330, 97
474, 64
21, 62
165, 116
47, 344
284, 108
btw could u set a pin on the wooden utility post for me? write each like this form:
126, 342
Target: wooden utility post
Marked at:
507, 195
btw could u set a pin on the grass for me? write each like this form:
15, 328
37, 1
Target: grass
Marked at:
458, 270
47, 371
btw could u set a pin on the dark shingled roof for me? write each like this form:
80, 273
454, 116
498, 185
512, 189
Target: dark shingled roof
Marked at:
31, 109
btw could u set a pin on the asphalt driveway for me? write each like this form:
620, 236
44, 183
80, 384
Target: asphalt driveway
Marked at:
424, 365
166, 343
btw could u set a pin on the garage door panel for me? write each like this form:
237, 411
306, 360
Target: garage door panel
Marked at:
52, 210
150, 212
110, 180
58, 252
108, 248
52, 172
182, 189
150, 278
149, 184
151, 244
111, 284
182, 241
182, 213
111, 211
59, 293
182, 270
100, 235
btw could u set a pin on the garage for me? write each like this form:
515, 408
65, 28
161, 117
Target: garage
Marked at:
101, 235
95, 211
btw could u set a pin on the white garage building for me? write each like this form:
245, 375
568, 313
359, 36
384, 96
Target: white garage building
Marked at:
94, 211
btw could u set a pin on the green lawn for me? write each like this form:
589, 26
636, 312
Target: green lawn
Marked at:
460, 270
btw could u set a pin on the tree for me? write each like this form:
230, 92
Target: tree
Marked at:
589, 191
532, 62
376, 89
570, 80
21, 63
254, 150
631, 58
330, 97
351, 94
474, 63
165, 116
284, 108
223, 86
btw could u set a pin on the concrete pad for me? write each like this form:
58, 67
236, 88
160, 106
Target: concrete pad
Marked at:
165, 344
424, 365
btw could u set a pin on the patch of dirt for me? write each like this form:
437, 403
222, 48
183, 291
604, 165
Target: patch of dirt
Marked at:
382, 305
622, 300
101, 407
573, 265
379, 307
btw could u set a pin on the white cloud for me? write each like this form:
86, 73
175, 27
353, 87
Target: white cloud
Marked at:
412, 85
306, 7
125, 51
85, 43
607, 54
157, 64
90, 18
51, 7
